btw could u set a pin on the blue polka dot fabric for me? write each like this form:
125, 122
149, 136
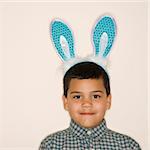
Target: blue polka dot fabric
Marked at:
105, 25
58, 29
62, 38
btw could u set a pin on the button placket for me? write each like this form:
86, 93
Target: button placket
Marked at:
89, 132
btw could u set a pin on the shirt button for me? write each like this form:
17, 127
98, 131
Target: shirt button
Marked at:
89, 132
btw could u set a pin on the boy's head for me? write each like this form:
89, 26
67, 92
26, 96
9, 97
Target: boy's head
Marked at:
86, 93
86, 70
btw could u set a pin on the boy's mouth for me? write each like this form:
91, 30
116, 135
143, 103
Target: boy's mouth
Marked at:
87, 113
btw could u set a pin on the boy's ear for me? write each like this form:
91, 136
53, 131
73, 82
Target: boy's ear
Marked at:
108, 101
65, 102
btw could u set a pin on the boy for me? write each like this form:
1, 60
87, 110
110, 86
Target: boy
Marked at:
87, 97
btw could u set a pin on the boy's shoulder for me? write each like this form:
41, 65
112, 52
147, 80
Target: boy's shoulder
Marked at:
53, 139
122, 139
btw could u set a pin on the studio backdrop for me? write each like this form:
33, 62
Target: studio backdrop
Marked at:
31, 106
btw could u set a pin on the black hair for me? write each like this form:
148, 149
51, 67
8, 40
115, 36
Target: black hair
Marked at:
86, 70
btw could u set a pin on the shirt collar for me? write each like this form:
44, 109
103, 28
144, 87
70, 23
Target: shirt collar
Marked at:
82, 132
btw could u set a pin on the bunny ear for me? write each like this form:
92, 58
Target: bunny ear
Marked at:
103, 35
63, 39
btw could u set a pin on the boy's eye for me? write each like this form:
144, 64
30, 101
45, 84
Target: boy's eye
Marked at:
76, 97
96, 96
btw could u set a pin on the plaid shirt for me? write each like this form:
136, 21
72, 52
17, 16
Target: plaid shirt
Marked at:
78, 138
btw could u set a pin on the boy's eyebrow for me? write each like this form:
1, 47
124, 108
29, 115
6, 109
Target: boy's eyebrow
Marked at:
98, 91
77, 92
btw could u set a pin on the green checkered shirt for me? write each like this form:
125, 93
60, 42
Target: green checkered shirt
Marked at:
78, 138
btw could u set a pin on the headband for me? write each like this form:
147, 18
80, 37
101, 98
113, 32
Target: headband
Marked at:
103, 35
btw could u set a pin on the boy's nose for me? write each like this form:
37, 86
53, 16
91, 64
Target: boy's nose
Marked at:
87, 102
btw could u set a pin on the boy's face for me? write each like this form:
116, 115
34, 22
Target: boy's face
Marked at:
87, 101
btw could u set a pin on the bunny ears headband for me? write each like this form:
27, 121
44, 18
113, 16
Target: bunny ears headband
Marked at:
103, 34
